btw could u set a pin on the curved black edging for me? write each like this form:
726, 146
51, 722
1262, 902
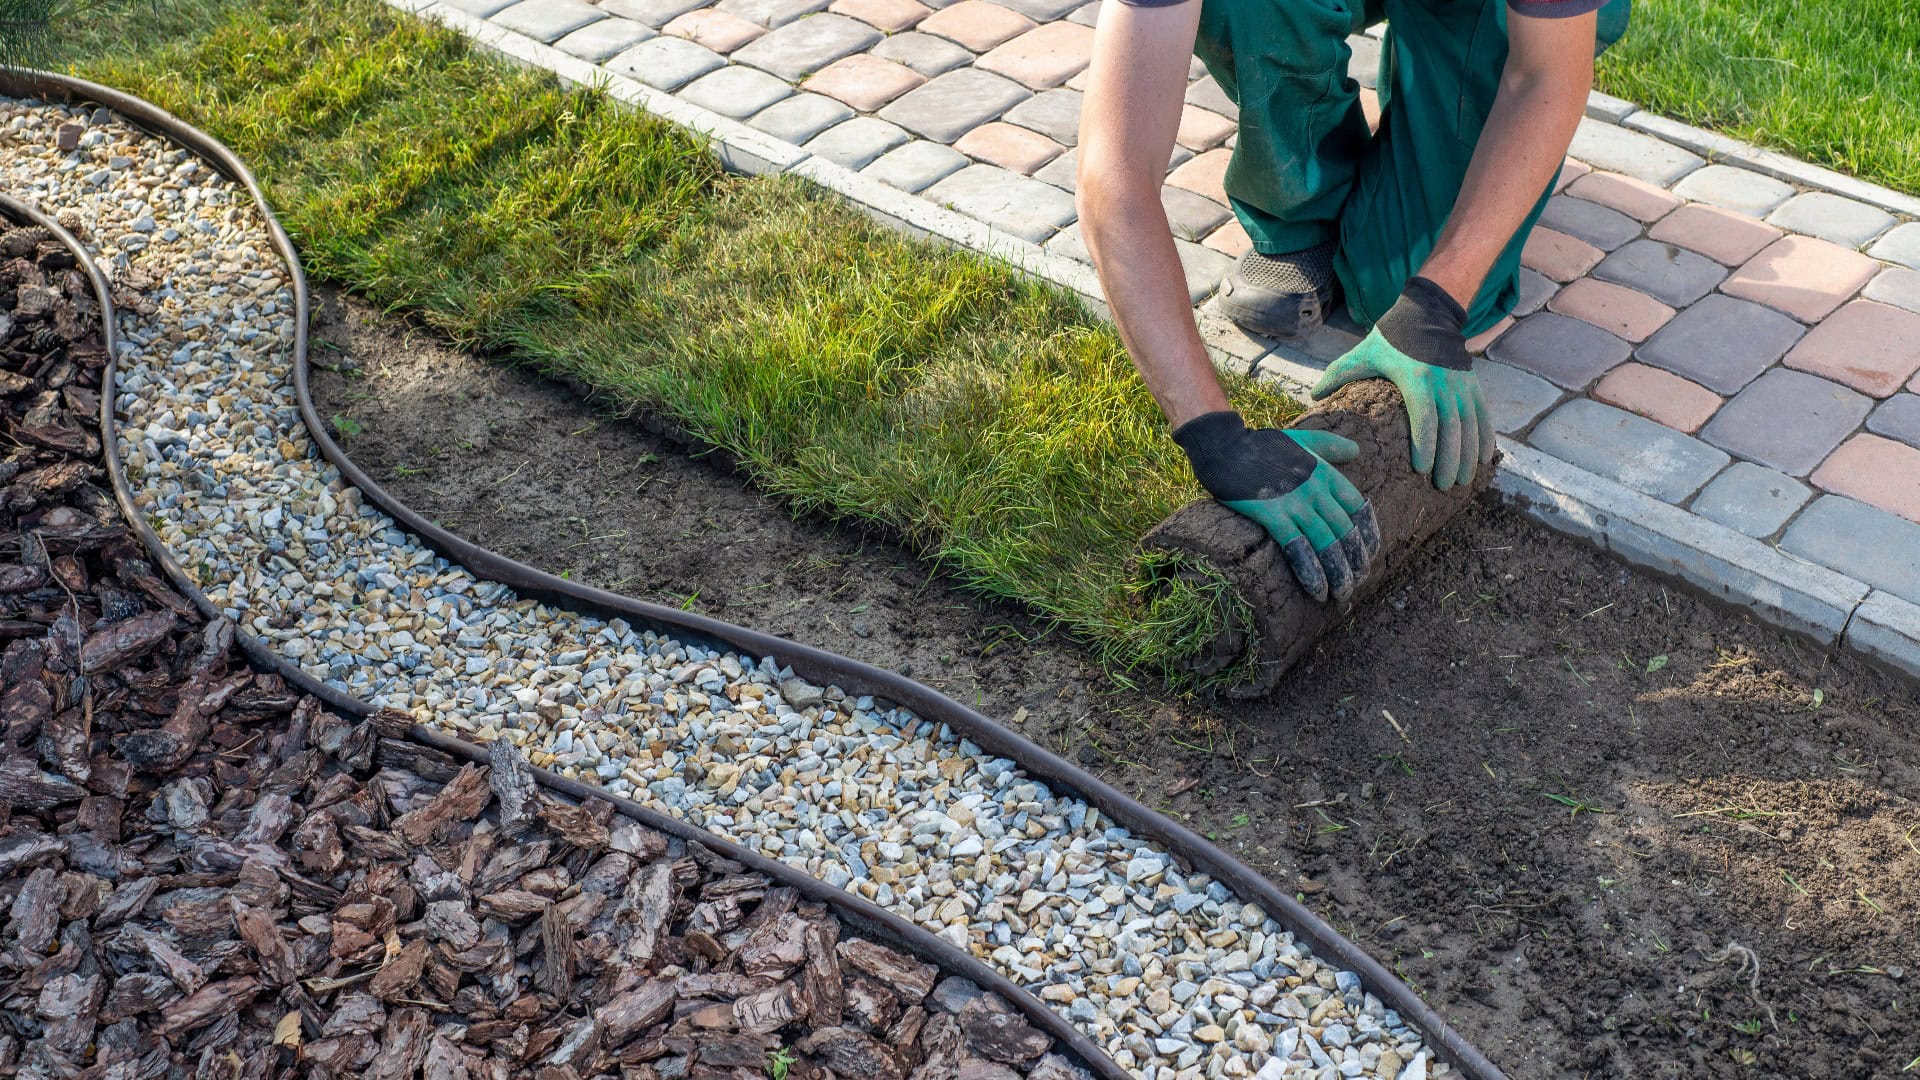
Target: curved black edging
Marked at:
816, 665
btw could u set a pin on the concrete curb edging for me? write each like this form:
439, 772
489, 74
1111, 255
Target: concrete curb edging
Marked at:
1822, 604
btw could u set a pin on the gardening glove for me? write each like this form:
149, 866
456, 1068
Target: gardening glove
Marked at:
1283, 481
1421, 346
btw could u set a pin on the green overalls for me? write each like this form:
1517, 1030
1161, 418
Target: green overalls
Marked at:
1304, 167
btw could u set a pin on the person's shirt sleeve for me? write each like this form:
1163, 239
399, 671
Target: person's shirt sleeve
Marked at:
1554, 9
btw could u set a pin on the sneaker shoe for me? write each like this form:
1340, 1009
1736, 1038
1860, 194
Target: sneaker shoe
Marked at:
1280, 295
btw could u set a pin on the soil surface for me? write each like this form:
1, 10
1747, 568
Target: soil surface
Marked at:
1609, 829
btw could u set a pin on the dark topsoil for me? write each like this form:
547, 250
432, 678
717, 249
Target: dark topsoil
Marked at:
1605, 804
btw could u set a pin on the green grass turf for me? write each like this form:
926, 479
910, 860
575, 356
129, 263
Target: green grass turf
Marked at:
1834, 82
992, 423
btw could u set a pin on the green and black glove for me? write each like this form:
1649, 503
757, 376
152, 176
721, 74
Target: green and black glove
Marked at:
1420, 345
1283, 481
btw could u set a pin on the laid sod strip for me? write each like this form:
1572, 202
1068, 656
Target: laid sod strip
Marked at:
990, 422
1835, 82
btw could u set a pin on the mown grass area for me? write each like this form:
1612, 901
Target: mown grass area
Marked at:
1834, 82
993, 424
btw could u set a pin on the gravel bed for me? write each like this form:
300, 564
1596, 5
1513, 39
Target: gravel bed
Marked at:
1171, 972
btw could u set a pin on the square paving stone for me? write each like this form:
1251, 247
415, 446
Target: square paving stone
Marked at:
1043, 57
857, 142
1514, 397
1042, 10
1062, 172
1720, 234
1205, 174
1567, 351
771, 14
1897, 286
1557, 255
1018, 204
1070, 244
807, 45
718, 30
1055, 114
917, 165
482, 8
1191, 216
1660, 396
1830, 217
599, 41
1868, 346
886, 16
1204, 267
1674, 276
1721, 343
1741, 190
1633, 450
1788, 420
1535, 290
666, 63
735, 91
1013, 148
1902, 245
1751, 499
1603, 228
1802, 276
1482, 341
1207, 94
548, 20
1860, 541
864, 81
1631, 196
1613, 308
1086, 14
654, 13
1606, 146
801, 117
1203, 129
1230, 239
1878, 471
955, 103
924, 53
1898, 417
976, 24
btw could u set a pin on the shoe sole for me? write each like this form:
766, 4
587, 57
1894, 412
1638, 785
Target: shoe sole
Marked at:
1308, 313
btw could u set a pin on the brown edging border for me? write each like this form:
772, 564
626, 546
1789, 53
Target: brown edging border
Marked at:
813, 664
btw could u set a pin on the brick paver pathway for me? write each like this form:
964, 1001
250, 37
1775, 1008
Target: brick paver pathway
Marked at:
1711, 336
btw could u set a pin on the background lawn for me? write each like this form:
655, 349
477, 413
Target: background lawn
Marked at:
1834, 82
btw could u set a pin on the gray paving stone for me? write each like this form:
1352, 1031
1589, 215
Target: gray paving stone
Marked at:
1740, 190
1674, 276
1607, 107
1204, 268
1898, 417
806, 45
1535, 290
1645, 456
483, 8
548, 20
1860, 541
770, 13
1752, 499
1787, 419
1207, 94
1897, 286
1902, 245
1721, 343
1086, 14
916, 165
1605, 146
666, 63
1042, 10
1006, 200
1603, 228
924, 53
857, 142
1830, 217
1514, 397
600, 41
954, 104
1191, 216
654, 13
801, 117
735, 91
1363, 66
1887, 628
1062, 172
1569, 352
1070, 243
1053, 113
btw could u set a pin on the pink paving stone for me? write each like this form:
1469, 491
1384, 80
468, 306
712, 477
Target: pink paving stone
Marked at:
1043, 57
1870, 347
1623, 311
1230, 239
976, 24
1660, 396
1720, 235
1204, 175
1009, 147
1802, 276
1557, 255
1571, 170
717, 30
864, 82
1630, 195
1877, 471
1479, 342
1202, 129
888, 16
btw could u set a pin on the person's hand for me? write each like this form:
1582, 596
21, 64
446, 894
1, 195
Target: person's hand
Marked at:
1420, 346
1283, 481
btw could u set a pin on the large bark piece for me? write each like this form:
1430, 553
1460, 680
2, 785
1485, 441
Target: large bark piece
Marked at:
1286, 621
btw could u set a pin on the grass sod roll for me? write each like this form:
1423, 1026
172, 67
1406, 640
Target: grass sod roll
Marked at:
988, 421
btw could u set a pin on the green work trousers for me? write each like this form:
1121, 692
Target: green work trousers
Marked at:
1305, 169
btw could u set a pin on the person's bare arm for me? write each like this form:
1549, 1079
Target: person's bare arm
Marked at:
1135, 89
1543, 94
